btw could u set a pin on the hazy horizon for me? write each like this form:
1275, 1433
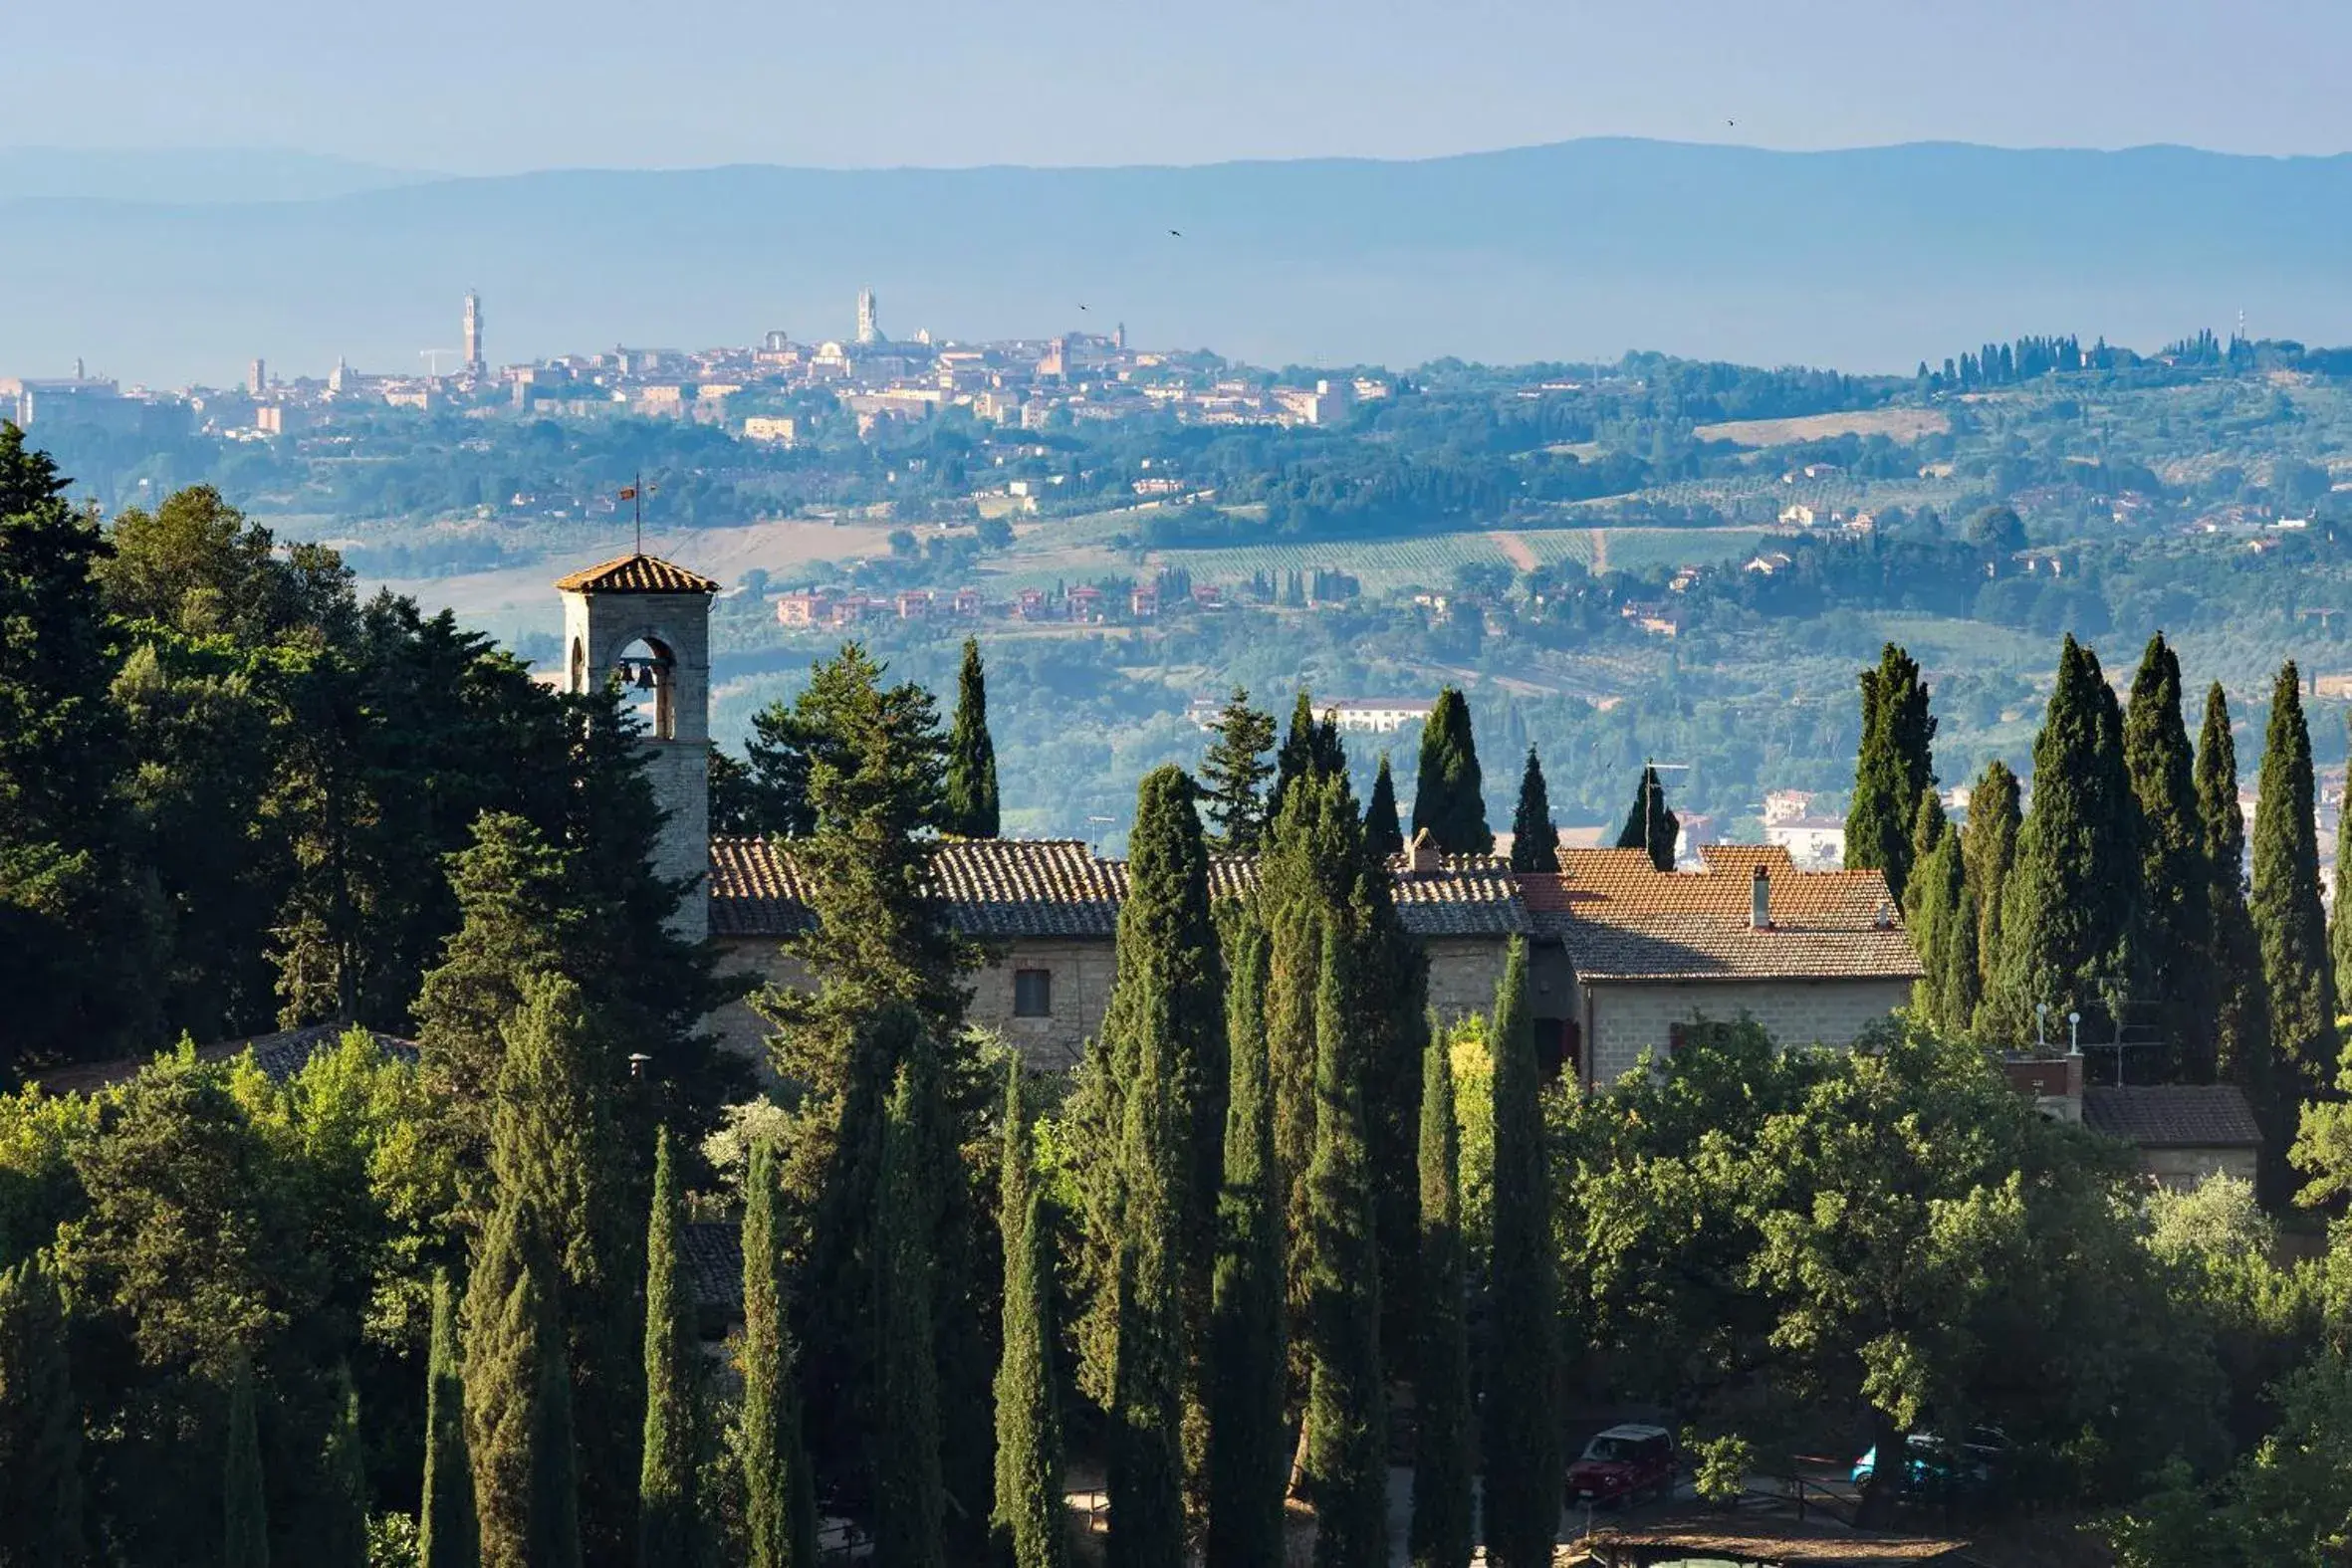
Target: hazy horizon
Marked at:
449, 85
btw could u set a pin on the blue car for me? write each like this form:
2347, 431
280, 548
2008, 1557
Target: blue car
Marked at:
1937, 1465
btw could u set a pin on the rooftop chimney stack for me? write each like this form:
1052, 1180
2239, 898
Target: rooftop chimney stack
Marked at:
1425, 856
1760, 901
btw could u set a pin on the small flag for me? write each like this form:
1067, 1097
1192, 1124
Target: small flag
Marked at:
629, 492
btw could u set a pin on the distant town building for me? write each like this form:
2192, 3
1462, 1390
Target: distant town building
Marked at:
474, 366
257, 378
1378, 715
870, 320
765, 427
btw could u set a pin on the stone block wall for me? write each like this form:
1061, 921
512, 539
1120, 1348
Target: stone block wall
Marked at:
1626, 1019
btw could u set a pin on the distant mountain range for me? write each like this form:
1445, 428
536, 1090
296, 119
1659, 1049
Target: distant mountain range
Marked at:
176, 268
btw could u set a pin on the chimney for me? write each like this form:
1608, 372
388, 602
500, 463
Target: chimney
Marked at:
1885, 920
1760, 901
1423, 854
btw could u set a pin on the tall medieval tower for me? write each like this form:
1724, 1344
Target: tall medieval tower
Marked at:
474, 364
644, 622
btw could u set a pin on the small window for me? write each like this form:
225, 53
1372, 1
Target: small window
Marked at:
1032, 994
1675, 1034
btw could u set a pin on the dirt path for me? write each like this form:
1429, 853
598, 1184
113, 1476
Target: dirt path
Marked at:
1516, 550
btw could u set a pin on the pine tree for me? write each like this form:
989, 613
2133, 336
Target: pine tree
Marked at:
1522, 1437
969, 807
245, 1530
1442, 1513
2285, 907
1535, 842
1247, 1463
1346, 1437
1233, 775
779, 1509
1651, 825
665, 1486
2172, 945
910, 1499
1988, 848
1892, 769
39, 1424
1449, 799
1028, 1519
1385, 835
446, 1530
2064, 907
342, 1518
2241, 1023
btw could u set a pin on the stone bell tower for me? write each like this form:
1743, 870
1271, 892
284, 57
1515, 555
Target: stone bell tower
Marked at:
644, 622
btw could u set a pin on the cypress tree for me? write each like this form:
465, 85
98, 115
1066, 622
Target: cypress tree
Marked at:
1028, 1519
2285, 907
910, 1499
1961, 983
1233, 775
1987, 849
1346, 1438
446, 1530
2064, 907
2339, 934
1145, 1462
1247, 1463
1309, 748
969, 804
1891, 769
1935, 900
779, 1509
665, 1485
245, 1518
1535, 842
518, 1399
1383, 834
1522, 1437
2172, 939
1449, 799
2242, 1025
342, 1541
1442, 1518
1651, 825
39, 1424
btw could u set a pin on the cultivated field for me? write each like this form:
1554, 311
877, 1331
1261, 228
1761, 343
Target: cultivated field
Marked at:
1903, 424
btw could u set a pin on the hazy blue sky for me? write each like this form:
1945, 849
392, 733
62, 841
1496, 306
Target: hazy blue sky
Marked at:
500, 84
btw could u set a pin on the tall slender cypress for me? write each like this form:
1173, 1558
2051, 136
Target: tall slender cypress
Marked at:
2171, 942
2064, 907
2339, 934
1145, 1470
1248, 1462
2285, 907
1651, 824
1385, 835
1346, 1439
518, 1399
1989, 847
969, 804
2241, 1015
342, 1516
1933, 905
910, 1499
665, 1485
1449, 798
1442, 1525
1028, 1521
779, 1509
1535, 842
1892, 767
39, 1424
1308, 748
446, 1531
1522, 1437
245, 1517
1961, 987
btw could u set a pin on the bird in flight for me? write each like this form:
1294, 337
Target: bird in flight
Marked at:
1179, 233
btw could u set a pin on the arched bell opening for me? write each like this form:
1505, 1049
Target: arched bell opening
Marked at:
647, 669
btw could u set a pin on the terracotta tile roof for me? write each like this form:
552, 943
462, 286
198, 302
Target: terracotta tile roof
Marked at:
2173, 1115
1622, 919
1002, 888
281, 1055
637, 573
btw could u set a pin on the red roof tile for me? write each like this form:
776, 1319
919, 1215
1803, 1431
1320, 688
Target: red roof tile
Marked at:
636, 574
